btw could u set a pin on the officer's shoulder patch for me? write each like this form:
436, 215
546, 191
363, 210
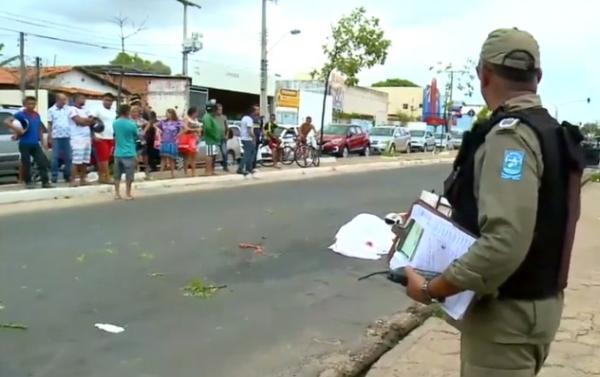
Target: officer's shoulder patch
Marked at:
512, 165
508, 123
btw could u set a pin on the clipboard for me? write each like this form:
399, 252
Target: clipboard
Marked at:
409, 232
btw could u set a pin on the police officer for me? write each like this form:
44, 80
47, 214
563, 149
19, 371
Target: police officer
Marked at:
510, 189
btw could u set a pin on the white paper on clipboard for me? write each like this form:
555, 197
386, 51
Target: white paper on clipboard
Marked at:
440, 244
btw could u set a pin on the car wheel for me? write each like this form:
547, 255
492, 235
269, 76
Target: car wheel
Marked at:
408, 148
345, 152
366, 152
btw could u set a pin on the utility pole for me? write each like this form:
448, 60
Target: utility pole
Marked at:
23, 72
38, 62
264, 101
187, 48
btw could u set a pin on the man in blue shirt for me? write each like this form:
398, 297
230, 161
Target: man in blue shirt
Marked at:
30, 136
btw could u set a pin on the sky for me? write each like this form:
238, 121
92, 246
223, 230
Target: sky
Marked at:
423, 33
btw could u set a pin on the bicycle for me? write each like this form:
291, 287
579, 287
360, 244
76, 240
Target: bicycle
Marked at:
306, 154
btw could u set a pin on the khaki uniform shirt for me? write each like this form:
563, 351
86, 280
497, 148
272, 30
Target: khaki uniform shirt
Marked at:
507, 218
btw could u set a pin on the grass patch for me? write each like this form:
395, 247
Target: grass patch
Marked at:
198, 288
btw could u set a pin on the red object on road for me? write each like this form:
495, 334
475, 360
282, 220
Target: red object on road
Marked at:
258, 249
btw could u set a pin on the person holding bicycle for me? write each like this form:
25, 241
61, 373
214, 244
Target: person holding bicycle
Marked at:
273, 140
305, 129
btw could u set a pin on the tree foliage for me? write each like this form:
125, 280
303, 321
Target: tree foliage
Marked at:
396, 83
404, 117
591, 129
357, 42
141, 64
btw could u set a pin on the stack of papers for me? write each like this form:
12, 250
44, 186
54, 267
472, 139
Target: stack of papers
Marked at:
432, 243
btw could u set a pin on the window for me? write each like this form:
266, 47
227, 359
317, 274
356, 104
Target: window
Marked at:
4, 130
358, 130
235, 131
405, 106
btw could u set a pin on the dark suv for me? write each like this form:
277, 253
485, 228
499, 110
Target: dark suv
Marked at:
9, 149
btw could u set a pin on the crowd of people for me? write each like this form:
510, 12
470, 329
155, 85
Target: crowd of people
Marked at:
131, 139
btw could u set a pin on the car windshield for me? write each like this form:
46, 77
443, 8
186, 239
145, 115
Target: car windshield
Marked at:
335, 130
456, 134
416, 133
382, 131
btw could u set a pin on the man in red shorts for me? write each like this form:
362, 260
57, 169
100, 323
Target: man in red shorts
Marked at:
273, 139
104, 143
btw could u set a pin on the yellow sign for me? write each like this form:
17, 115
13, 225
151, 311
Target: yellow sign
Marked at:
288, 98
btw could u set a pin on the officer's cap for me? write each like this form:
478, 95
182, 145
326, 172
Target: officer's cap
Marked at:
512, 48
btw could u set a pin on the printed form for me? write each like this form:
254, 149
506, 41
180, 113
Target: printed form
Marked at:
435, 243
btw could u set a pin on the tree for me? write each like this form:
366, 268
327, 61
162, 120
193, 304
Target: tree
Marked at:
404, 117
123, 23
357, 42
396, 83
591, 129
135, 62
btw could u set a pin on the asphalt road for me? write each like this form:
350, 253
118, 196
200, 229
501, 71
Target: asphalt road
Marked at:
62, 271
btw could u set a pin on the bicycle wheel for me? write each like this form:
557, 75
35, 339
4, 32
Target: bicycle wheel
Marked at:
302, 156
316, 157
287, 155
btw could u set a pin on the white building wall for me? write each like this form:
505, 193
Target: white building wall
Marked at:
168, 93
226, 77
13, 97
366, 101
76, 79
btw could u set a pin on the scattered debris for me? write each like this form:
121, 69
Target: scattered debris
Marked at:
24, 266
148, 256
156, 274
109, 328
81, 258
258, 249
109, 251
269, 211
2, 307
198, 288
13, 326
219, 229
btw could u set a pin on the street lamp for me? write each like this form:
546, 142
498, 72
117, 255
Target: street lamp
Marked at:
291, 32
585, 100
187, 49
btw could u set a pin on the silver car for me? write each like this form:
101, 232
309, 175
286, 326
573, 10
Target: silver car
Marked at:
397, 138
9, 148
422, 140
234, 148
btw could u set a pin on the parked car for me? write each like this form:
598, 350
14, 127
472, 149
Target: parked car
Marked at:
9, 149
343, 139
422, 140
443, 141
456, 139
234, 148
287, 135
382, 136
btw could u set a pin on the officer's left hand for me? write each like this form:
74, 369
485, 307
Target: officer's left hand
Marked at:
414, 286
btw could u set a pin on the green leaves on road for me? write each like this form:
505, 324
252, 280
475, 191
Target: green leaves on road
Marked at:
13, 326
198, 288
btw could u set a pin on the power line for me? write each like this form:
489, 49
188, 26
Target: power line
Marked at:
44, 24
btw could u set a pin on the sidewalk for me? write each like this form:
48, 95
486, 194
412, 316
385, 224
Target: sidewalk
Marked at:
433, 349
15, 194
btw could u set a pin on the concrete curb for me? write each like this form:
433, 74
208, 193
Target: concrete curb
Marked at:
381, 336
200, 183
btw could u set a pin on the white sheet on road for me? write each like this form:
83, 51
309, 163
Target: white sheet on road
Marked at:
365, 236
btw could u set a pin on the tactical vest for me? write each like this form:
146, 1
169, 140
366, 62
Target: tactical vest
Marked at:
543, 273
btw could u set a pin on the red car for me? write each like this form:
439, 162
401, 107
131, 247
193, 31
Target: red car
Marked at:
343, 139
